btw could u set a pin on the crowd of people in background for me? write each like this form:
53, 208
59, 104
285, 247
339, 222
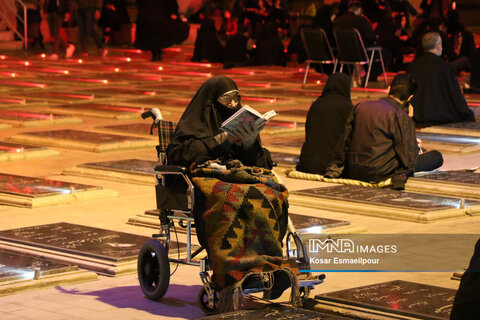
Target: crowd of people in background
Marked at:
256, 32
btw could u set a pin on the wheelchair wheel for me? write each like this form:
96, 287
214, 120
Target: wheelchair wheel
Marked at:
202, 299
153, 269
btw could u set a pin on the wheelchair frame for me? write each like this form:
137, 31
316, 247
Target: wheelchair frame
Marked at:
153, 256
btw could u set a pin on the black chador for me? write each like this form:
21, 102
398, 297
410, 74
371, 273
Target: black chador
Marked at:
326, 121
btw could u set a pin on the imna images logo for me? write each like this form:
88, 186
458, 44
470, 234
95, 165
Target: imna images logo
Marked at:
348, 246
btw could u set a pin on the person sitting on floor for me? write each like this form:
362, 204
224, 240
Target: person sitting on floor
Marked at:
438, 98
240, 207
380, 140
325, 124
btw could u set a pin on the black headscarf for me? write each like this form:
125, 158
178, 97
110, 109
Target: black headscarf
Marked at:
340, 84
325, 126
204, 115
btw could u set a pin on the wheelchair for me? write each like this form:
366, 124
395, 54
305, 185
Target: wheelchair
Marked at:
176, 203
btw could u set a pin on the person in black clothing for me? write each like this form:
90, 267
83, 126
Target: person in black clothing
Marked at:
438, 98
296, 49
380, 140
324, 19
475, 71
198, 136
354, 19
326, 121
270, 49
467, 299
58, 11
114, 15
207, 44
159, 26
236, 51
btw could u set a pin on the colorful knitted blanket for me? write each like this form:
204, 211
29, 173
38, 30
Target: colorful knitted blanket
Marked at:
244, 219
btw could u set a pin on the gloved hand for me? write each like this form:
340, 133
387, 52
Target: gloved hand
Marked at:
247, 135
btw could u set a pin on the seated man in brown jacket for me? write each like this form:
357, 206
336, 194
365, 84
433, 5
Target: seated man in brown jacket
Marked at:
380, 140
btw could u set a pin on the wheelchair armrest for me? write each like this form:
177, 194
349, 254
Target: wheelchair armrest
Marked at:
171, 169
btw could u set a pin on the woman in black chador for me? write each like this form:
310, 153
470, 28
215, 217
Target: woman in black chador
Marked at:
158, 26
325, 125
240, 207
207, 44
198, 136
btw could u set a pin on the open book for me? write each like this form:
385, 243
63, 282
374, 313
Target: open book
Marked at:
247, 115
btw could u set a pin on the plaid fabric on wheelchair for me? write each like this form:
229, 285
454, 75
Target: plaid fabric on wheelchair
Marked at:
165, 132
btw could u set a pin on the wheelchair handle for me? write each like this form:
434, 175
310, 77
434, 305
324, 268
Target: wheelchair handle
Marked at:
147, 114
153, 113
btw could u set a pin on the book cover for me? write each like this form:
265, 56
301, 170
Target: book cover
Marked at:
249, 116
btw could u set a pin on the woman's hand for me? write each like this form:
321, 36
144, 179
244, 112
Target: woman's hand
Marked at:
247, 135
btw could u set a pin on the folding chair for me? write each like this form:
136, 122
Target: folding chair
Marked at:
351, 50
318, 49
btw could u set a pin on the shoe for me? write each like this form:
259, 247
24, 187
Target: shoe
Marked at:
70, 50
281, 282
103, 52
53, 56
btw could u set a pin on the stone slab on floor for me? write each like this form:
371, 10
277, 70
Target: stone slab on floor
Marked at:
55, 96
298, 115
389, 300
291, 145
119, 91
23, 118
159, 102
280, 128
17, 151
448, 143
385, 203
273, 311
455, 183
83, 140
4, 126
31, 192
303, 224
103, 251
17, 273
142, 129
458, 128
128, 170
102, 110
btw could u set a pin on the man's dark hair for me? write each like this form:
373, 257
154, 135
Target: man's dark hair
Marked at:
403, 86
354, 5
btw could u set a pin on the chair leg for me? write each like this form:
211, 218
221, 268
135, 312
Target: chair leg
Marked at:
383, 68
369, 68
341, 67
306, 73
335, 66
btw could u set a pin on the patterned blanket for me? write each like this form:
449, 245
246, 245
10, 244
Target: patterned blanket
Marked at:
244, 220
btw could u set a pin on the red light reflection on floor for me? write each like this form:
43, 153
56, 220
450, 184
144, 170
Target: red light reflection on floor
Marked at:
473, 104
187, 73
11, 100
12, 149
253, 84
26, 114
89, 80
193, 64
24, 84
370, 90
178, 49
271, 100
